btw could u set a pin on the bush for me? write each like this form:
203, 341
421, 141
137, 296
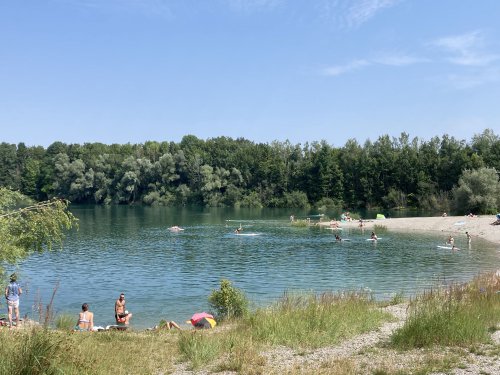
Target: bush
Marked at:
477, 191
296, 199
228, 302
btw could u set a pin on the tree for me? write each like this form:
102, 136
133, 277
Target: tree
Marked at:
26, 227
478, 191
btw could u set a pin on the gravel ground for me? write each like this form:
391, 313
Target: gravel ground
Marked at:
366, 354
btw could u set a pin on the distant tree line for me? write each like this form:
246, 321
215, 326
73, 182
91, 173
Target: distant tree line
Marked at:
389, 172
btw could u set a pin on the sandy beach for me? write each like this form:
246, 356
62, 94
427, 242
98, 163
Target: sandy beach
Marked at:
451, 225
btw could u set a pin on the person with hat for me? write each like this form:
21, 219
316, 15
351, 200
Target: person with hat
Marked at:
12, 293
122, 316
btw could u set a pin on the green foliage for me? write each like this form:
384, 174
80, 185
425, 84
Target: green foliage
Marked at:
296, 199
478, 191
251, 200
218, 172
26, 227
228, 302
325, 204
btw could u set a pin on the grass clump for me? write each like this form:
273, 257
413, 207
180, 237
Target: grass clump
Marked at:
198, 347
34, 351
313, 321
300, 223
459, 315
65, 322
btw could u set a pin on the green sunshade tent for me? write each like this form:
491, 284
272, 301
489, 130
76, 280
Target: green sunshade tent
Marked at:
380, 216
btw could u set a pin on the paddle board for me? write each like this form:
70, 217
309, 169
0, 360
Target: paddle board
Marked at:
247, 234
374, 239
447, 247
333, 228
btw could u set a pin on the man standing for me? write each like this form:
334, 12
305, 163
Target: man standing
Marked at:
12, 293
122, 316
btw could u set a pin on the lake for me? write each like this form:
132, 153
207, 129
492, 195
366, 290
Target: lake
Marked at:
170, 274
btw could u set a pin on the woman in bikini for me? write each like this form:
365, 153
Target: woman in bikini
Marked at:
85, 319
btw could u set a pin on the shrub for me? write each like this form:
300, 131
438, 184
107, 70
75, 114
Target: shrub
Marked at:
228, 302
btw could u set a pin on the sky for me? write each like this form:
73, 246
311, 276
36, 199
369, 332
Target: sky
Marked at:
119, 71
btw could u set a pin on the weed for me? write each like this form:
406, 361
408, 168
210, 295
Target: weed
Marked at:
65, 322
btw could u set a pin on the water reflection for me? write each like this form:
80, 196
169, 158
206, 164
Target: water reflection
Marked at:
170, 274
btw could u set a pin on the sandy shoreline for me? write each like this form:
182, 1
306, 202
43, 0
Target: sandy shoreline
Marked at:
450, 225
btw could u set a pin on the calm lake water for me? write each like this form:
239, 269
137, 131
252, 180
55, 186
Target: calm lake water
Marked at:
170, 275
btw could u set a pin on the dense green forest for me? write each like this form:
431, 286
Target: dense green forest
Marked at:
388, 172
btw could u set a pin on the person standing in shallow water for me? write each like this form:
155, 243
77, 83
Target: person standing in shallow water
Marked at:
469, 237
121, 314
12, 293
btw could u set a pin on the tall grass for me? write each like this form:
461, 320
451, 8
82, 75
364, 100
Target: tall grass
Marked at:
198, 347
316, 320
458, 315
35, 351
65, 322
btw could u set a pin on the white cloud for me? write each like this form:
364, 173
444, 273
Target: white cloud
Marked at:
474, 79
361, 11
353, 13
342, 69
149, 7
389, 60
252, 5
466, 49
400, 60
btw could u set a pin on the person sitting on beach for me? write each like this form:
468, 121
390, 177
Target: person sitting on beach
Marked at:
167, 325
444, 214
85, 320
334, 224
450, 240
374, 236
122, 316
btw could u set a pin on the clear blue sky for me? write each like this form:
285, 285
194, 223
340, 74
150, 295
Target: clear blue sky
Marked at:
118, 71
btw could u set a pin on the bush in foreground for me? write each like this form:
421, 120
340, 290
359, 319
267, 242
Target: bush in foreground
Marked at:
229, 301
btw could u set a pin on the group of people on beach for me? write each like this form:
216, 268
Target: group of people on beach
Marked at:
85, 320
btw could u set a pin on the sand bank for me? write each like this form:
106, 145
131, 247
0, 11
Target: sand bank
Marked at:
450, 225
